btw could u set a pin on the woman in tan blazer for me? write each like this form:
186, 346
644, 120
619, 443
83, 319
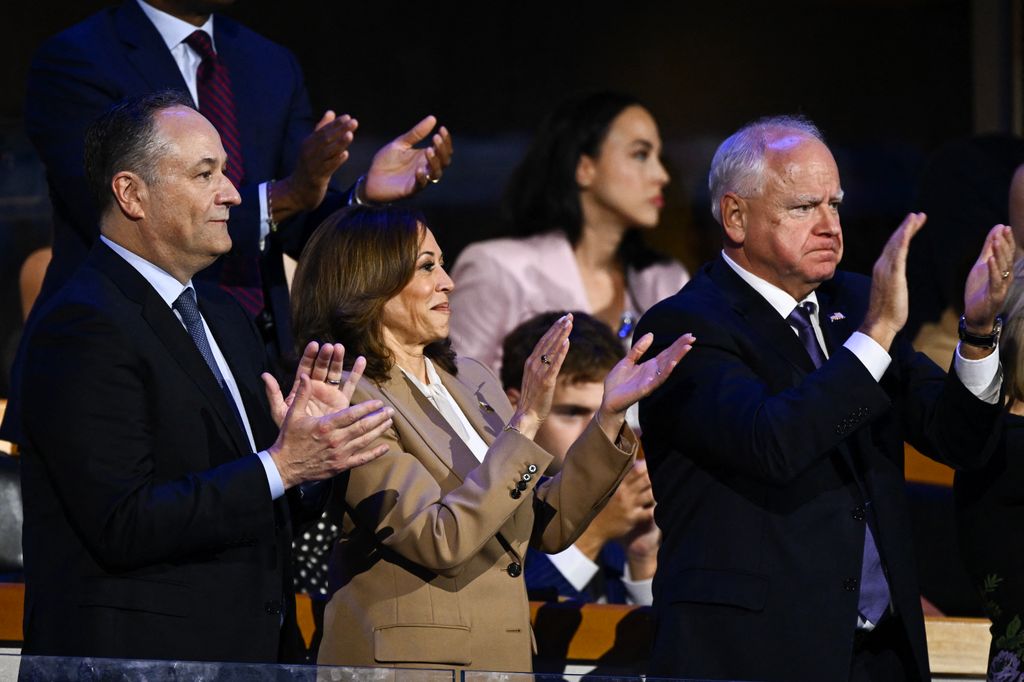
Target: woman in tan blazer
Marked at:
428, 571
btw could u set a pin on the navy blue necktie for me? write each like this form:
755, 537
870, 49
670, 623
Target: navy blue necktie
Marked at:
874, 589
186, 306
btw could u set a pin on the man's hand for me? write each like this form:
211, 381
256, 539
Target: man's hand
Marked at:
312, 448
323, 365
399, 169
888, 306
321, 154
989, 281
629, 515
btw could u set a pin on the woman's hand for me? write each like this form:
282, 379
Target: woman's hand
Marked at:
540, 372
628, 382
323, 366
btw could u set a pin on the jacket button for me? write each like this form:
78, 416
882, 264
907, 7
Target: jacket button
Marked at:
532, 468
527, 477
858, 513
850, 584
514, 569
521, 485
272, 608
515, 494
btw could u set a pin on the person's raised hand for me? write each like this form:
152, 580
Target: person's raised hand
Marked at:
320, 155
540, 374
888, 306
330, 390
399, 168
311, 448
988, 283
628, 382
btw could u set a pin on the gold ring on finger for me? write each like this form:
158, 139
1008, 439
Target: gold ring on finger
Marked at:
1006, 273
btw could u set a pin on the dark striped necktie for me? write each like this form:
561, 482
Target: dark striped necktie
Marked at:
240, 275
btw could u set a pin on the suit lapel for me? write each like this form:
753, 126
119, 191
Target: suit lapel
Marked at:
145, 49
170, 332
435, 431
767, 328
835, 323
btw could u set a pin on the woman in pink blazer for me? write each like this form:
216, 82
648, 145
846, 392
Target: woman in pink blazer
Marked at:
591, 180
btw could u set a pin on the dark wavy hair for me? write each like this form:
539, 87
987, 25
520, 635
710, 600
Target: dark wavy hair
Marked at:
543, 195
593, 349
355, 262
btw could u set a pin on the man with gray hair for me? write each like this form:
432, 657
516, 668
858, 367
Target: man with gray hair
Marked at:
776, 450
158, 480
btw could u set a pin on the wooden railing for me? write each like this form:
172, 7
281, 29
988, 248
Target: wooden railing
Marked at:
612, 634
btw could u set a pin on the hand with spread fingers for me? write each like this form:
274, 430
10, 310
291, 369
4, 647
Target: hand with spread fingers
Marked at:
989, 281
322, 153
400, 169
313, 448
628, 382
540, 373
323, 366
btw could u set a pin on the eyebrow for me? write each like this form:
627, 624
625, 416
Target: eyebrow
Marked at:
427, 253
203, 162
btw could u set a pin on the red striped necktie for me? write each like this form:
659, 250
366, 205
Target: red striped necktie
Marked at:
239, 275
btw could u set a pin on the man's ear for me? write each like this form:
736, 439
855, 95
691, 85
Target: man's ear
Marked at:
585, 170
130, 193
734, 222
513, 395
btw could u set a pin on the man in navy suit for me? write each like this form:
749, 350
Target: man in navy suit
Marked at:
142, 47
158, 491
776, 450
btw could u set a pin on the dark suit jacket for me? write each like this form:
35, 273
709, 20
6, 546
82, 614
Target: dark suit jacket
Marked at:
79, 73
762, 467
544, 582
149, 527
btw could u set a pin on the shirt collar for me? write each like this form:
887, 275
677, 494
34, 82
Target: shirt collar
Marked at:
433, 384
776, 297
172, 29
165, 284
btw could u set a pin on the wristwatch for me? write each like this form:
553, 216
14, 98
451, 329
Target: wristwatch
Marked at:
980, 340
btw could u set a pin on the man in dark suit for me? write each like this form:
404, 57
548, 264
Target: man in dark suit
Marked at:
157, 490
776, 450
138, 48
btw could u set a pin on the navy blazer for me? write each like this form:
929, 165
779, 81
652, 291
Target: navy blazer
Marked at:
765, 468
149, 528
544, 582
79, 73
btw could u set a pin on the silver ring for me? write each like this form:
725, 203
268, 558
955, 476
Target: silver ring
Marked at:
545, 359
334, 382
433, 181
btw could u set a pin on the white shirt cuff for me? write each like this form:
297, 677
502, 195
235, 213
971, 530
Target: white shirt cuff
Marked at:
273, 475
264, 216
639, 592
574, 567
983, 378
874, 358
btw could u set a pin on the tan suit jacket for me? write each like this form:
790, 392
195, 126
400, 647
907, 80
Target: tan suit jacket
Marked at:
429, 567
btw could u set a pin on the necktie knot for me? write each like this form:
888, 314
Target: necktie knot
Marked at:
187, 307
201, 43
800, 318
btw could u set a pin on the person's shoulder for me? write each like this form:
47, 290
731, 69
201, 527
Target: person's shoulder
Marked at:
249, 42
84, 34
473, 372
509, 252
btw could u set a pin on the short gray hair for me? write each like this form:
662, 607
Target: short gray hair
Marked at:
738, 164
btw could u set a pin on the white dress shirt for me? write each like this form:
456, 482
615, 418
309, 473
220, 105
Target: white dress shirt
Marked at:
983, 378
174, 31
436, 393
169, 288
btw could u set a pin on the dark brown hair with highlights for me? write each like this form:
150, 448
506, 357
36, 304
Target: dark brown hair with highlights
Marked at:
356, 261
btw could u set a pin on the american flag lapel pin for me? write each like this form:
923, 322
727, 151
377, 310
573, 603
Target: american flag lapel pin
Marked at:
835, 317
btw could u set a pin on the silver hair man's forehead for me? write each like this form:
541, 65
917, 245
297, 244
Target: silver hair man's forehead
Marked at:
739, 163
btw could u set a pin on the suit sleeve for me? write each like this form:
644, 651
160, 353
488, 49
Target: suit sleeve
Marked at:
719, 407
90, 416
410, 513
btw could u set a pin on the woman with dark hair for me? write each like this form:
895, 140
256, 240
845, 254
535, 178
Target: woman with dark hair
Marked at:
428, 569
591, 177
